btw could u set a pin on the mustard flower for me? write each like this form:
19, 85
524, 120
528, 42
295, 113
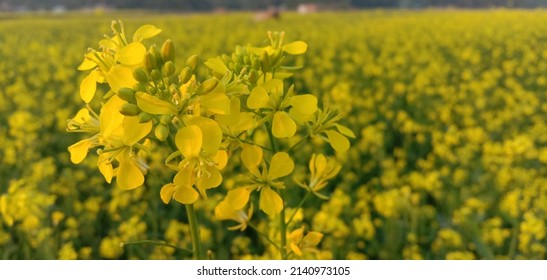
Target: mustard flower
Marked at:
199, 144
273, 101
263, 179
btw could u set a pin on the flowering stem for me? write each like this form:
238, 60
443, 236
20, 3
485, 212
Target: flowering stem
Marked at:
282, 225
298, 207
194, 232
263, 235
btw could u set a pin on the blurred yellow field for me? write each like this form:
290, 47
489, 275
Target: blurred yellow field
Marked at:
449, 158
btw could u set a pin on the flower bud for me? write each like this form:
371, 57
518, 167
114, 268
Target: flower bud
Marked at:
129, 109
161, 132
168, 51
157, 55
207, 86
192, 62
156, 75
165, 119
150, 62
144, 117
169, 68
127, 94
140, 75
185, 75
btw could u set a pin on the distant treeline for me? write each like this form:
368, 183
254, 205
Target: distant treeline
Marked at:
204, 5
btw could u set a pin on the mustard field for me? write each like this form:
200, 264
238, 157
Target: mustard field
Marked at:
347, 135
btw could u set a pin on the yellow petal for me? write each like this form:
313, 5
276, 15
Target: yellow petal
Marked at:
88, 87
224, 211
185, 177
312, 239
239, 197
110, 117
338, 141
320, 164
78, 151
131, 55
304, 104
211, 130
216, 65
189, 141
153, 105
221, 159
295, 249
216, 103
280, 166
344, 130
86, 65
129, 174
251, 156
258, 98
283, 125
134, 131
120, 77
211, 179
144, 32
295, 48
105, 167
166, 192
270, 202
185, 195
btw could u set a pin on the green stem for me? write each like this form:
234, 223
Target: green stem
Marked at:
298, 207
282, 224
263, 235
298, 143
194, 232
283, 227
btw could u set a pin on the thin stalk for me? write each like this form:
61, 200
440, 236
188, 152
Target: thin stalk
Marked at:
298, 207
282, 224
283, 227
194, 232
264, 236
297, 143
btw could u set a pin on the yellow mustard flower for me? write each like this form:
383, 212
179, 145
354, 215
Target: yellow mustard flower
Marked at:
115, 63
264, 180
225, 211
300, 244
118, 134
199, 144
271, 98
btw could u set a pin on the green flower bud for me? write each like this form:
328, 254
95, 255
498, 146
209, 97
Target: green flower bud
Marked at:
255, 64
192, 62
144, 117
157, 55
156, 75
185, 75
207, 86
169, 68
265, 62
150, 62
129, 109
127, 94
140, 75
161, 132
168, 51
165, 119
141, 87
